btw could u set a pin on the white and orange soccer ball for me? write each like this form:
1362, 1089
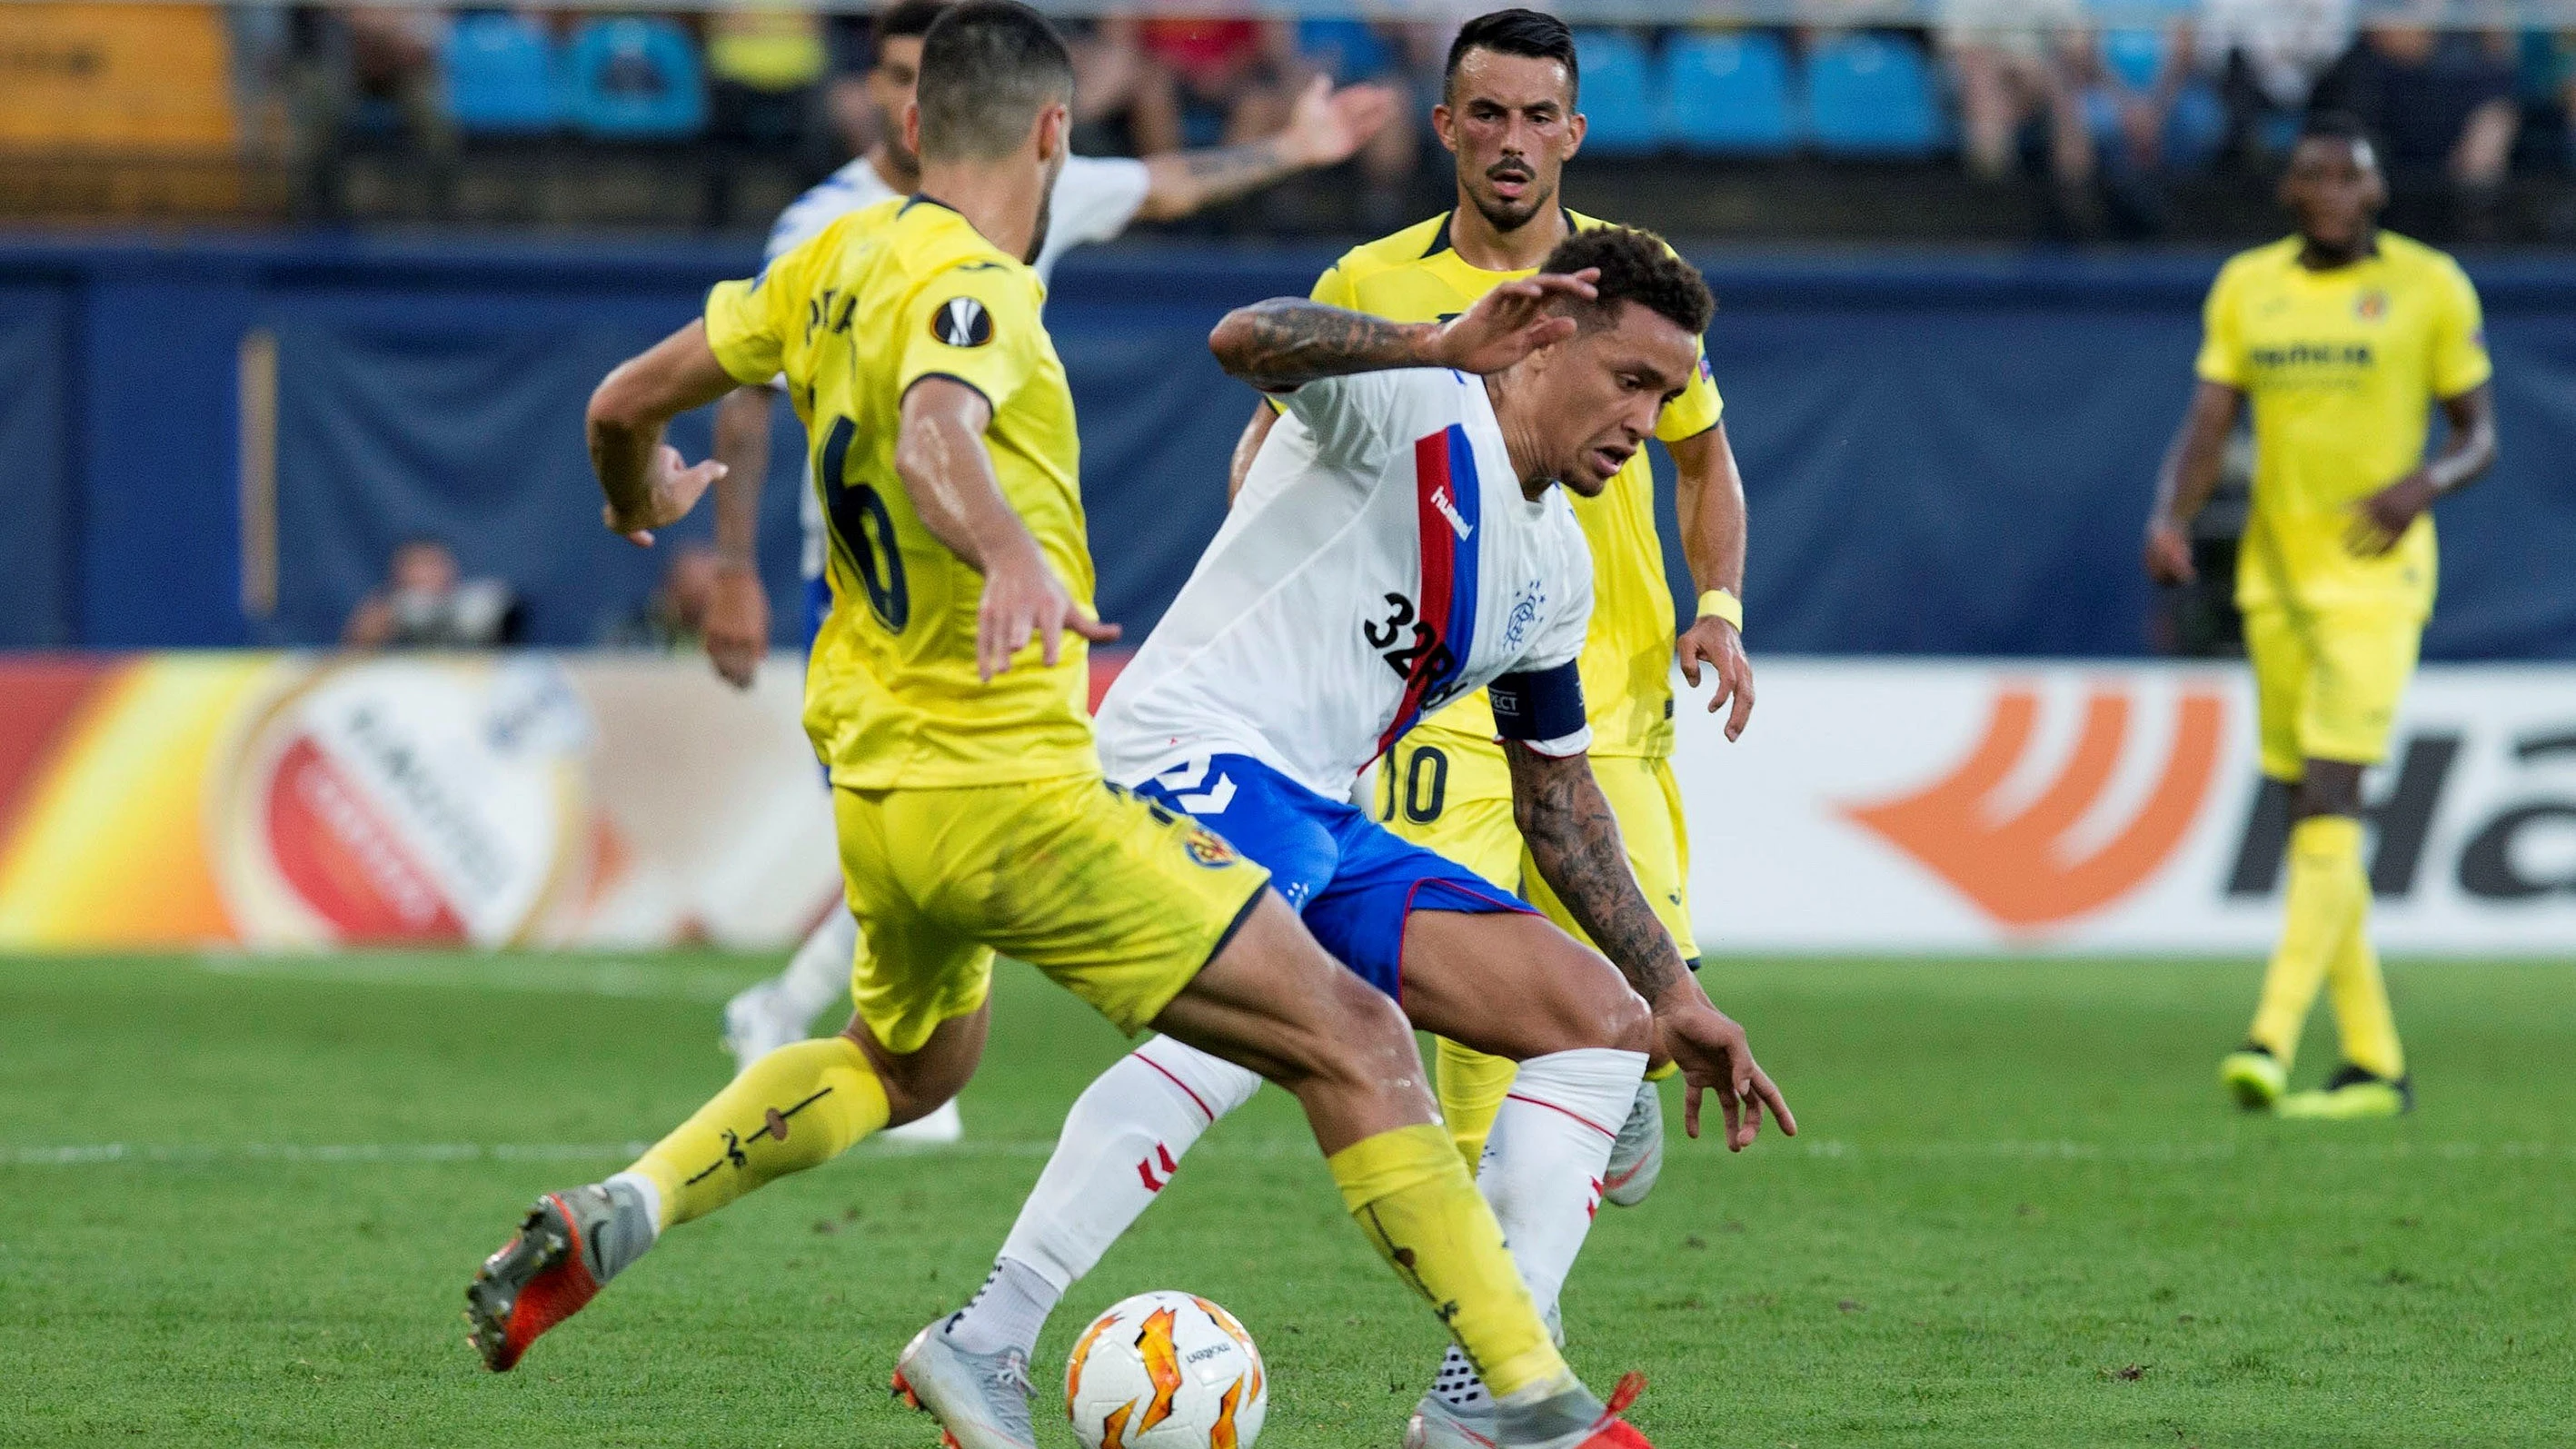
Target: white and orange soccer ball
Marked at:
1166, 1371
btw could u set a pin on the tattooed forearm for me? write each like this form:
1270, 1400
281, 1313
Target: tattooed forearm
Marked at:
1574, 840
1287, 342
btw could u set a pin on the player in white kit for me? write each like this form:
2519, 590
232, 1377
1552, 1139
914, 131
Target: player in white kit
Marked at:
1399, 542
1093, 200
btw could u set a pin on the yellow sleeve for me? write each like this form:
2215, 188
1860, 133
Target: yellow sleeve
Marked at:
1333, 289
976, 323
1696, 410
2460, 361
2222, 353
748, 322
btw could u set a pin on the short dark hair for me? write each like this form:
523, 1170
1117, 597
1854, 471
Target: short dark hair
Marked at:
987, 68
1636, 266
1516, 32
908, 18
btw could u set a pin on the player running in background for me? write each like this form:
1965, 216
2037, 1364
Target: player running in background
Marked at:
961, 749
2343, 336
1093, 200
1508, 112
1400, 541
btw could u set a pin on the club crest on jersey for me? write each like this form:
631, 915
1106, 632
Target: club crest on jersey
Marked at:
1448, 507
2371, 305
962, 322
1208, 848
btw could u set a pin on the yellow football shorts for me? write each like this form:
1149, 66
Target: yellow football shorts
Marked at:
1452, 793
2327, 681
1116, 899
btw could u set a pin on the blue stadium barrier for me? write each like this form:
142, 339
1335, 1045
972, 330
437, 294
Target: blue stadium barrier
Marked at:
1871, 95
1730, 95
1618, 100
500, 75
634, 79
1944, 455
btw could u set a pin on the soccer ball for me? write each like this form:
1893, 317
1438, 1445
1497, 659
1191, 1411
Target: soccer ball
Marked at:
1166, 1371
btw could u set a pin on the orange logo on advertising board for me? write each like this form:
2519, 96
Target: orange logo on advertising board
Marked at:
2017, 869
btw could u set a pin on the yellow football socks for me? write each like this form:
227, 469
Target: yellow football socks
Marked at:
1472, 1086
2362, 1016
800, 1106
1414, 1199
2325, 918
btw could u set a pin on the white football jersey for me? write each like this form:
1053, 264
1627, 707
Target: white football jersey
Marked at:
1094, 199
1381, 561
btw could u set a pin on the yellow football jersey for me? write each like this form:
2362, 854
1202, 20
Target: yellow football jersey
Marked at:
1415, 276
2343, 368
882, 298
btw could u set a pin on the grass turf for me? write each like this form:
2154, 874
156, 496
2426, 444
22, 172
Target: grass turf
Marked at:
239, 1201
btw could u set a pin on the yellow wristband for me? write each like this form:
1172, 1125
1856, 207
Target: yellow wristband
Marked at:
1722, 604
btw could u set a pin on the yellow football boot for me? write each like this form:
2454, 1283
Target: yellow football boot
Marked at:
2254, 1077
2352, 1095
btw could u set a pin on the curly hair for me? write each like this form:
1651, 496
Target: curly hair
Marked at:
1637, 266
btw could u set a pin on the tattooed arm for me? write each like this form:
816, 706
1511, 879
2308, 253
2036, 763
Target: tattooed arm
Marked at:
1287, 342
1574, 840
1324, 129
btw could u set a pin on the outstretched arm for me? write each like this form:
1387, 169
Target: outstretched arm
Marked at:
737, 632
1708, 495
1326, 127
939, 454
1574, 840
647, 484
2189, 475
2466, 455
1287, 342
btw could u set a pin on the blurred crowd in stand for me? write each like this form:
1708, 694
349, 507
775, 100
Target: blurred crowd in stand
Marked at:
2103, 117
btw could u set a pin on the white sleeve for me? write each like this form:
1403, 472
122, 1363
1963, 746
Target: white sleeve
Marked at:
1352, 416
1094, 199
1539, 700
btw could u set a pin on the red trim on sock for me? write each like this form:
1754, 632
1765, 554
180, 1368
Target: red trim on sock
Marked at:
1577, 1116
1195, 1099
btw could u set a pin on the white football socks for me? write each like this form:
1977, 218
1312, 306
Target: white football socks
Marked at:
1542, 1174
820, 970
1121, 1144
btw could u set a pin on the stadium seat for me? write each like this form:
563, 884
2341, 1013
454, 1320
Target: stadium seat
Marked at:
1873, 95
1348, 49
634, 79
500, 75
1729, 94
1618, 99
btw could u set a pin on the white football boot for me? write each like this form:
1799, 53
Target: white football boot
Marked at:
981, 1400
1637, 1158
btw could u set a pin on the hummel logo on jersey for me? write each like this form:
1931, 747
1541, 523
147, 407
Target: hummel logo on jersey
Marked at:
1449, 510
962, 322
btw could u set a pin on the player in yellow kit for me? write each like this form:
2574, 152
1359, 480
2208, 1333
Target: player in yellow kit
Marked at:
1508, 112
968, 796
2343, 337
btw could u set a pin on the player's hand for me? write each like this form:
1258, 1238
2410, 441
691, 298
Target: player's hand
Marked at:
1716, 642
1327, 126
2169, 553
737, 624
672, 489
1715, 1057
1023, 598
2383, 518
1510, 322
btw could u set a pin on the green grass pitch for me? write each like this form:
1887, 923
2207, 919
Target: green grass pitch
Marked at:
239, 1202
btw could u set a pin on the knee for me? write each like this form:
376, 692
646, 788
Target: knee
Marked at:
1371, 1036
1592, 1005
